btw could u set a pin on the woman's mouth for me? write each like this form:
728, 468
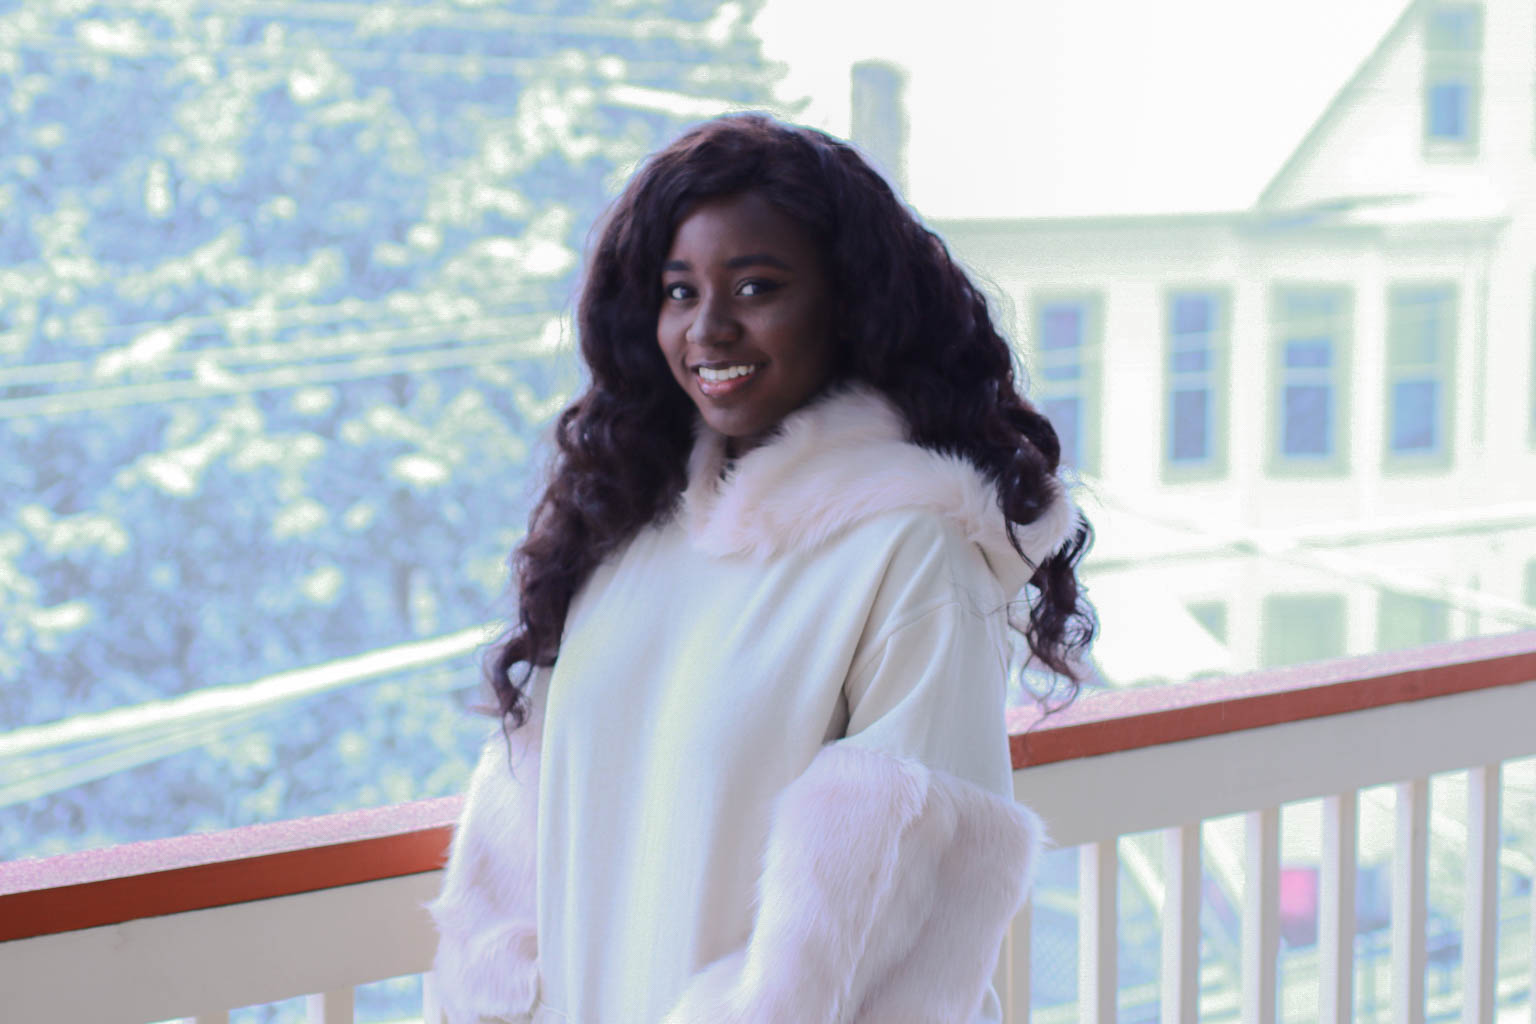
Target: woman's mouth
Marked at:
719, 381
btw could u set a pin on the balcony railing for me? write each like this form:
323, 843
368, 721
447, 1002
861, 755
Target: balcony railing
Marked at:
195, 926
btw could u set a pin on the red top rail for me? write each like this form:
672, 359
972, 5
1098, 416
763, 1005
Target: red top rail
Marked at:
167, 876
1108, 722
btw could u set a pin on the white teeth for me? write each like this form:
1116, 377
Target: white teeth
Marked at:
727, 373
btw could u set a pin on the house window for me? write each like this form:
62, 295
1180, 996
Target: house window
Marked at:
1407, 620
1421, 342
1311, 368
1195, 419
1066, 381
1453, 44
1302, 627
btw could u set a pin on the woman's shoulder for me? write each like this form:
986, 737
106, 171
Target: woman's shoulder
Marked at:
928, 559
914, 532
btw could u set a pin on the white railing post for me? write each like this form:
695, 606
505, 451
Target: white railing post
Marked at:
1480, 928
1181, 924
431, 1008
1012, 978
1409, 877
1336, 910
1097, 938
333, 1007
1261, 915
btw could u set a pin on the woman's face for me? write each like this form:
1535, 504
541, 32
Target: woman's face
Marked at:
746, 316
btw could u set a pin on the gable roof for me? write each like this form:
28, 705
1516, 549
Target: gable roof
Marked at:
1336, 106
1089, 108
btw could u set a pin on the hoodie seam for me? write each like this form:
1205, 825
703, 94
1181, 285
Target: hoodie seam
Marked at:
883, 639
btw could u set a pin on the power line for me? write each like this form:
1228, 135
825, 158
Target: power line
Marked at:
42, 759
1286, 549
298, 352
235, 698
463, 65
388, 16
263, 316
218, 383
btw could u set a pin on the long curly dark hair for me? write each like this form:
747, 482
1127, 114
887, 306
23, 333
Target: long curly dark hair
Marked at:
911, 324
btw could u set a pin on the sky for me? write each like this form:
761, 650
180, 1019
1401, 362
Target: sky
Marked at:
1029, 108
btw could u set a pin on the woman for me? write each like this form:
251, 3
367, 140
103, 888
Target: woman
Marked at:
755, 692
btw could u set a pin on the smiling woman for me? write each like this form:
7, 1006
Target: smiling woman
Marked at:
803, 428
746, 318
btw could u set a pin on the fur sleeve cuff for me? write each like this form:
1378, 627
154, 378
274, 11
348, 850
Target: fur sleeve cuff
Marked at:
886, 890
486, 966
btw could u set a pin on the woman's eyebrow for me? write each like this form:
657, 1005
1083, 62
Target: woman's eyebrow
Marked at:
751, 259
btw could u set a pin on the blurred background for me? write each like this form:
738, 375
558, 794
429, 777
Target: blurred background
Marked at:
285, 296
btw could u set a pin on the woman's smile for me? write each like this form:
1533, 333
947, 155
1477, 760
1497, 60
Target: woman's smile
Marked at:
719, 382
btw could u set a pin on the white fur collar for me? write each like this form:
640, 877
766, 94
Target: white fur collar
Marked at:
843, 459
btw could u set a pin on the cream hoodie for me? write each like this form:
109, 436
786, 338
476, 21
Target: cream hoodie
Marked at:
767, 779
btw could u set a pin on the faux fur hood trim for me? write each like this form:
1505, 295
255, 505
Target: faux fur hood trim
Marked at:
838, 461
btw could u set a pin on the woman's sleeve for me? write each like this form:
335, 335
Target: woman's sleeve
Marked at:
896, 861
486, 968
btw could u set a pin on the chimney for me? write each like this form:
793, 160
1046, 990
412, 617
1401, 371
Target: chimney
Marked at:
880, 118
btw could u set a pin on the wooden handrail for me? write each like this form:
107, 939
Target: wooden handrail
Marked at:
167, 876
1112, 721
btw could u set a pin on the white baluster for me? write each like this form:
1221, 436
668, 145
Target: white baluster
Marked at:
1001, 984
1012, 978
431, 1009
1336, 910
1261, 915
1181, 924
1097, 912
1409, 870
1480, 928
333, 1007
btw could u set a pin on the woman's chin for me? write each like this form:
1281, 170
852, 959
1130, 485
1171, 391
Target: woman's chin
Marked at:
744, 426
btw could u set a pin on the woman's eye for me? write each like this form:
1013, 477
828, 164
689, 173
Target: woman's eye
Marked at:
750, 288
676, 291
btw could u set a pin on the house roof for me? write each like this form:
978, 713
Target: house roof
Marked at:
1088, 108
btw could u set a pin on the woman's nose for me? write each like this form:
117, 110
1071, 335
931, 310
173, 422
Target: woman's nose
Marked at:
714, 322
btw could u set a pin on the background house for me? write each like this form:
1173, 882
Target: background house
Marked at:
1299, 392
1296, 384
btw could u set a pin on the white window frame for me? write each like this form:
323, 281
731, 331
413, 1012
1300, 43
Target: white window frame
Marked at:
1213, 380
1404, 300
1458, 63
1337, 325
1084, 358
